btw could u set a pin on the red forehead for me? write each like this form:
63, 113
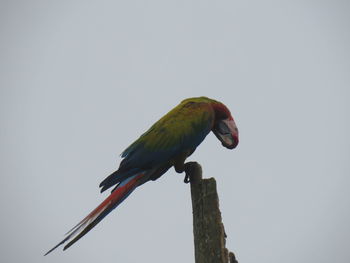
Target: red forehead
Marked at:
222, 111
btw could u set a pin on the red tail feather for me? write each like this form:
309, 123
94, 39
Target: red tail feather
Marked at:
121, 192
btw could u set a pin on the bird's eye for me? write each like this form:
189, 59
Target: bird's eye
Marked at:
223, 128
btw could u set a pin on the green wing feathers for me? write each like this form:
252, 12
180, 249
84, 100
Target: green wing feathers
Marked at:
181, 129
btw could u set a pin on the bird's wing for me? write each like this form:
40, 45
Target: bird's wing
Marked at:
183, 128
180, 130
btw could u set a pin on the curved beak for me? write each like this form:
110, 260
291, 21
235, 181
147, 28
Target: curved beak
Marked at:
226, 131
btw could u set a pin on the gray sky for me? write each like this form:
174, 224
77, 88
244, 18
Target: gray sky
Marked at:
81, 80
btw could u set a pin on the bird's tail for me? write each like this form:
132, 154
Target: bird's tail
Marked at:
121, 192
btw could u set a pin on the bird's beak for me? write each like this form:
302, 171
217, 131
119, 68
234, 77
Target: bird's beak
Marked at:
226, 131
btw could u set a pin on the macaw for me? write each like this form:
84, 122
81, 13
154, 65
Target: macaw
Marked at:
166, 144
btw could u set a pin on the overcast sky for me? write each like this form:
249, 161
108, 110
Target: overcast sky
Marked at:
81, 80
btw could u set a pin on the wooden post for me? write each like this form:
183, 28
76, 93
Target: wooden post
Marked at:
208, 229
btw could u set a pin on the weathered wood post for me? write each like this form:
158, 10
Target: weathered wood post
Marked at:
208, 229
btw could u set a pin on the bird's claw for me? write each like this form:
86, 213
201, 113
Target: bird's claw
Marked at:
187, 179
193, 172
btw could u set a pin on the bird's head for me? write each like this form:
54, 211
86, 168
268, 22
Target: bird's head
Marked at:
224, 126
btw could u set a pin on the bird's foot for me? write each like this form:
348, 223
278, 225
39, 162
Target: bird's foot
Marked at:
193, 172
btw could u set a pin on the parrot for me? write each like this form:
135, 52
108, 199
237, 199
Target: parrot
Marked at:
167, 143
